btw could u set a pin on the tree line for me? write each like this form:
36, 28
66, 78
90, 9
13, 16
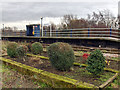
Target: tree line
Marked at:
102, 19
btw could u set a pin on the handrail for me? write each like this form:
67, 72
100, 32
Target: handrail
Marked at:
87, 29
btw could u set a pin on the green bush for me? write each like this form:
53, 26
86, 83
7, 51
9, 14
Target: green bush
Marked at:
61, 56
37, 48
29, 46
21, 51
11, 49
96, 62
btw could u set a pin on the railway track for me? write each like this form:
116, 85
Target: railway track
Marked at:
88, 49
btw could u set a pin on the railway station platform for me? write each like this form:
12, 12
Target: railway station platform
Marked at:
83, 41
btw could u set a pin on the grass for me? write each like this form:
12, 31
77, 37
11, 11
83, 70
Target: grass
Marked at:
4, 44
115, 58
40, 84
115, 83
12, 79
105, 77
104, 51
83, 73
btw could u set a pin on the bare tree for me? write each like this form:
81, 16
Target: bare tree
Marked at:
53, 26
67, 19
15, 28
102, 19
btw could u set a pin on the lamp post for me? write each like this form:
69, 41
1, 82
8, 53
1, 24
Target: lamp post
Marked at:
3, 27
42, 26
50, 31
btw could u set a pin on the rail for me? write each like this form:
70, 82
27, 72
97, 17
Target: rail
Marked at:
82, 32
13, 33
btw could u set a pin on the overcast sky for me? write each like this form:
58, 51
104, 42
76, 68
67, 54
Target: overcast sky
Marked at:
21, 13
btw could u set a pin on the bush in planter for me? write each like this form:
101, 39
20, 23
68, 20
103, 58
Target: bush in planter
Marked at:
11, 49
61, 56
37, 48
96, 62
29, 46
21, 51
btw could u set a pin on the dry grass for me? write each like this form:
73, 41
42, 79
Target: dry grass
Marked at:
12, 79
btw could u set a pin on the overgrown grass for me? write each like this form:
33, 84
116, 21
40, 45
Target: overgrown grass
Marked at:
4, 45
115, 84
83, 73
11, 75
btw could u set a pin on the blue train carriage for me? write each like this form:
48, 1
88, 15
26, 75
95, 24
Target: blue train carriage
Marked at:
33, 30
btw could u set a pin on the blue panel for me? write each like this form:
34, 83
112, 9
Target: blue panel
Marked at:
71, 34
37, 31
56, 33
110, 32
27, 30
88, 32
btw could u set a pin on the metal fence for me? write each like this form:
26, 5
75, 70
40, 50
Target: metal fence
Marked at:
13, 33
83, 32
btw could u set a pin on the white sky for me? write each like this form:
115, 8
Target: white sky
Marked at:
14, 13
59, 0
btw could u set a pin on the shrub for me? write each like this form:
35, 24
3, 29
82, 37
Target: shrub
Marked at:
11, 49
21, 51
96, 62
61, 56
29, 46
37, 48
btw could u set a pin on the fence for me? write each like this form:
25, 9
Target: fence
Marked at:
84, 32
13, 33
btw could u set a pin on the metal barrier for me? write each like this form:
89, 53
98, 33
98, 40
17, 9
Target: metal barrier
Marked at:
82, 32
15, 33
85, 32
